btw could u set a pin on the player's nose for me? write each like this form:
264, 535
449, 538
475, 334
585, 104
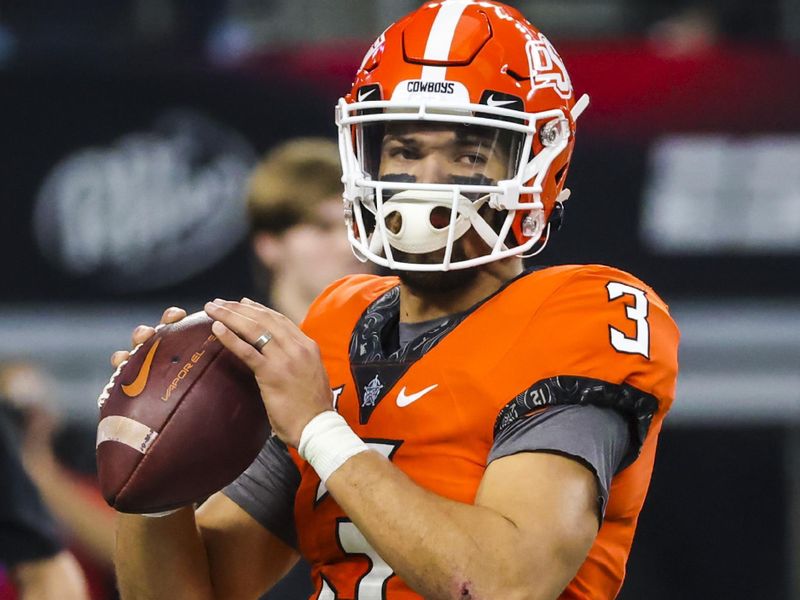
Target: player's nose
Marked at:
432, 168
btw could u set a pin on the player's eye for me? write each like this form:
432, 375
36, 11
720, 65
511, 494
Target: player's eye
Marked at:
472, 158
404, 152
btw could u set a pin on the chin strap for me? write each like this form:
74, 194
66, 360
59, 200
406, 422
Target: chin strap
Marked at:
543, 239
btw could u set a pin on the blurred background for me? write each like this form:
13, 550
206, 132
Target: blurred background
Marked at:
129, 129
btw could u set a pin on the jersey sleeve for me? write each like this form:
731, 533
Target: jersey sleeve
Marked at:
596, 437
601, 338
267, 488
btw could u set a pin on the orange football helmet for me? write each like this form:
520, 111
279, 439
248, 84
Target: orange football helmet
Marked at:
482, 70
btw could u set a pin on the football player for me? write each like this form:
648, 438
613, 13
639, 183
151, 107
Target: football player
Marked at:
464, 428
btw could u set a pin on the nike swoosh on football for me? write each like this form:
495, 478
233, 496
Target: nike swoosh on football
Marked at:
361, 96
404, 399
492, 102
136, 387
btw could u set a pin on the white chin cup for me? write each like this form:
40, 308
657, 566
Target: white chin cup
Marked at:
416, 234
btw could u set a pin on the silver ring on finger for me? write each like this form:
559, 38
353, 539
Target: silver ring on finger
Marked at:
262, 340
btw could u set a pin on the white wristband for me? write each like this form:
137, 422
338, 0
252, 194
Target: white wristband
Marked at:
327, 442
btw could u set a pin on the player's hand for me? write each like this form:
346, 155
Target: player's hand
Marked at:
288, 369
142, 333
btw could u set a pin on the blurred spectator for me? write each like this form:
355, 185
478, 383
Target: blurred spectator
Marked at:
690, 31
35, 564
294, 202
80, 512
295, 206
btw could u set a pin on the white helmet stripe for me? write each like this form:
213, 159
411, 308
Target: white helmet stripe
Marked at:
441, 37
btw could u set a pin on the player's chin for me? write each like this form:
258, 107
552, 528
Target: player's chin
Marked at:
434, 282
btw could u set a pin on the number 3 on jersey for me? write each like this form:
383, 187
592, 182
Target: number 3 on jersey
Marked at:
640, 342
371, 585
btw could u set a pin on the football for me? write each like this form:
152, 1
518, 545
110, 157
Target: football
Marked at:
179, 420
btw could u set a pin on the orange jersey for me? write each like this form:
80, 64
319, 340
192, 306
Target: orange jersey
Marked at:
572, 334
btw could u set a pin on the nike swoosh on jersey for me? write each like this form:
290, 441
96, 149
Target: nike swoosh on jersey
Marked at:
404, 399
136, 387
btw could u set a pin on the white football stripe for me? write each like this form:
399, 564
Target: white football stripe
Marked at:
125, 431
441, 37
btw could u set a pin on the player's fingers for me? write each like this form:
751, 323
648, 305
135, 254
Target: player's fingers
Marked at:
172, 314
246, 328
272, 320
250, 321
246, 300
233, 342
250, 308
119, 356
141, 334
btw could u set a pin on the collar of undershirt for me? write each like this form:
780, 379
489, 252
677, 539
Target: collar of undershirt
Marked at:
410, 331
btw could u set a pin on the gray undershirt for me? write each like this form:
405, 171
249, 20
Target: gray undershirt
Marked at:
410, 331
596, 437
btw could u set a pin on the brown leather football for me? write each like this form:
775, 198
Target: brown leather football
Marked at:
179, 420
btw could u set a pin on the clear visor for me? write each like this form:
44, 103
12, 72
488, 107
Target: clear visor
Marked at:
433, 152
430, 181
420, 174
